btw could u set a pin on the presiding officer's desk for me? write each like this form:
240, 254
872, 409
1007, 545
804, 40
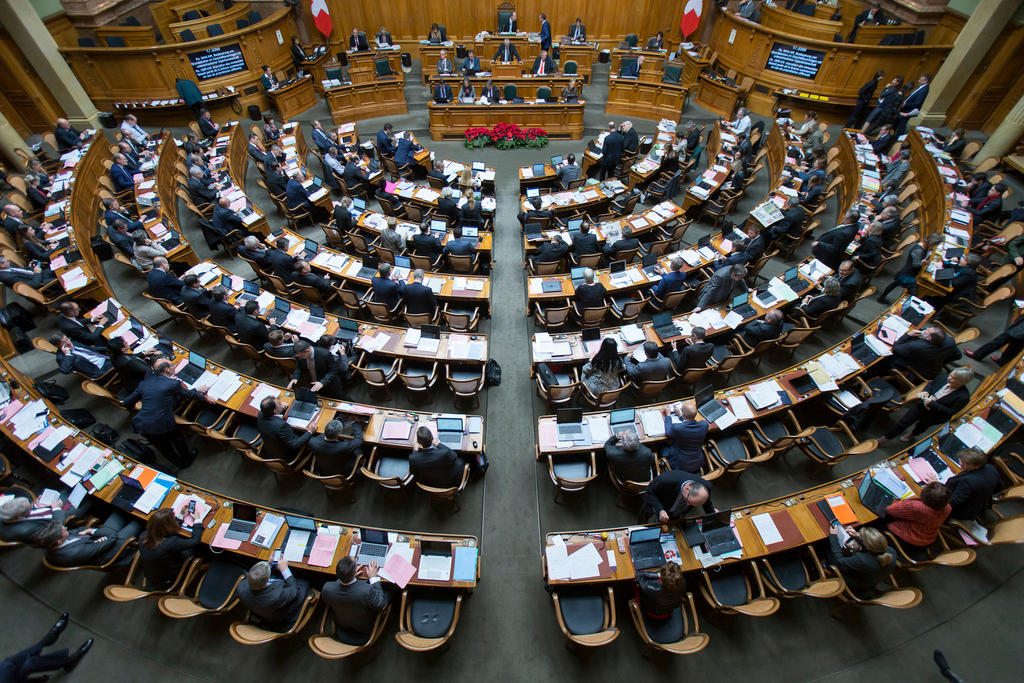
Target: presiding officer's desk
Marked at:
645, 97
292, 99
362, 66
581, 53
526, 84
101, 481
561, 120
653, 66
796, 517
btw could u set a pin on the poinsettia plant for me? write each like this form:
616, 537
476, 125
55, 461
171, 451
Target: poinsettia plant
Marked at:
506, 136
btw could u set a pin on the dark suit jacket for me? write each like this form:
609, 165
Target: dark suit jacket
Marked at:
549, 252
972, 491
630, 140
355, 607
131, 369
384, 142
260, 256
819, 304
437, 466
67, 138
590, 296
321, 140
672, 281
250, 330
915, 99
443, 92
651, 369
693, 355
881, 143
121, 178
160, 395
207, 128
611, 149
387, 291
964, 284
463, 246
337, 457
70, 363
757, 331
662, 492
321, 284
199, 192
492, 94
22, 530
160, 565
196, 301
625, 244
226, 220
163, 285
635, 466
942, 409
503, 55
584, 244
426, 245
791, 223
545, 35
280, 264
685, 451
277, 183
329, 372
549, 66
84, 550
861, 570
925, 357
405, 149
277, 604
295, 194
419, 298
721, 287
850, 285
577, 33
222, 313
279, 439
77, 330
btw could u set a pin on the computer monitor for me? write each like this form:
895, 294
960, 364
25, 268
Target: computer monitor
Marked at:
479, 166
591, 333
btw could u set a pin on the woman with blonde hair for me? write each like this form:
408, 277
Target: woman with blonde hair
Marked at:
864, 560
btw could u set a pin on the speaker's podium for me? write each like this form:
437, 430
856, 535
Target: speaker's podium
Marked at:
293, 98
506, 69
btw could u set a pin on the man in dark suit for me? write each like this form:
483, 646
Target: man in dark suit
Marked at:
77, 328
590, 294
864, 95
161, 283
195, 299
222, 313
160, 393
89, 546
442, 93
250, 330
850, 281
112, 211
631, 69
792, 221
319, 369
552, 251
433, 463
335, 454
671, 495
757, 331
277, 181
354, 603
490, 91
280, 344
207, 127
745, 253
830, 248
275, 603
320, 139
693, 352
672, 281
304, 276
655, 367
584, 241
20, 521
459, 245
535, 213
627, 458
296, 195
279, 439
626, 243
197, 189
630, 138
926, 351
542, 65
418, 297
724, 284
386, 290
425, 244
384, 143
255, 149
444, 64
884, 140
686, 439
279, 262
911, 106
132, 158
357, 42
972, 489
942, 399
71, 357
545, 32
225, 221
405, 149
507, 52
254, 250
120, 176
611, 153
577, 32
68, 138
117, 233
353, 176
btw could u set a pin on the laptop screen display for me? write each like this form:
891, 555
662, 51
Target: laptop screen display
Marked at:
195, 359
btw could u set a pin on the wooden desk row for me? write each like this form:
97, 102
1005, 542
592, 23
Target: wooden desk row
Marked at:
589, 198
366, 100
101, 481
641, 223
526, 84
374, 223
581, 53
563, 120
649, 99
795, 516
645, 169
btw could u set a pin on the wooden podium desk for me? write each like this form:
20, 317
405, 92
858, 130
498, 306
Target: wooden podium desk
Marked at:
693, 66
653, 66
528, 49
294, 98
716, 97
366, 100
561, 120
526, 84
222, 108
646, 99
581, 53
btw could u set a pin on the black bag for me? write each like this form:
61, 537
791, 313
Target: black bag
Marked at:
478, 465
101, 248
79, 417
139, 451
52, 391
547, 377
492, 374
106, 434
14, 316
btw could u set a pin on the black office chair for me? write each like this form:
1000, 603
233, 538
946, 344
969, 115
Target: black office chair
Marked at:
626, 66
187, 36
383, 69
214, 30
510, 92
116, 41
672, 73
190, 15
444, 32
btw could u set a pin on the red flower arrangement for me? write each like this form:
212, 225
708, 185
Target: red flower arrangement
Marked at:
506, 136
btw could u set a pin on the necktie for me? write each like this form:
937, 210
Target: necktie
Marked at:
541, 72
312, 368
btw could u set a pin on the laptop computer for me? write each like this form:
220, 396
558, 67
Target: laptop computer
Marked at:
944, 275
369, 267
310, 249
577, 276
305, 405
803, 384
573, 225
718, 533
358, 205
538, 169
623, 420
195, 368
348, 329
532, 192
741, 305
860, 350
280, 311
438, 225
435, 561
651, 267
707, 405
250, 291
403, 262
317, 315
449, 432
373, 546
467, 231
479, 166
534, 232
645, 548
243, 522
617, 271
556, 160
570, 424
131, 490
551, 286
792, 278
663, 325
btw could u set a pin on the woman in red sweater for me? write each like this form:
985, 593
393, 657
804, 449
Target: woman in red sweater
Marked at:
916, 521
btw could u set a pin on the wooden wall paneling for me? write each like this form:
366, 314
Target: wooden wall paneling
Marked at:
134, 36
948, 28
24, 98
85, 203
163, 16
987, 97
928, 179
62, 30
226, 19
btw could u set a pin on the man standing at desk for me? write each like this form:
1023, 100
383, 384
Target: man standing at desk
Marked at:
911, 106
672, 494
507, 52
384, 143
545, 32
267, 80
611, 152
318, 368
542, 65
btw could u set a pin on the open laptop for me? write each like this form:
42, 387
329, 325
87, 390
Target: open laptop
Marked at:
577, 276
358, 206
449, 432
650, 266
532, 192
250, 291
373, 546
369, 267
348, 329
556, 160
617, 273
539, 170
573, 225
317, 315
741, 305
663, 325
623, 420
243, 522
467, 231
570, 424
435, 561
310, 249
479, 166
718, 533
131, 490
280, 311
438, 226
195, 368
645, 548
533, 232
304, 406
707, 405
792, 278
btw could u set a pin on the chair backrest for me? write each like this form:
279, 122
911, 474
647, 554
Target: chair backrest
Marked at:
116, 41
215, 30
187, 35
509, 91
543, 93
461, 263
570, 67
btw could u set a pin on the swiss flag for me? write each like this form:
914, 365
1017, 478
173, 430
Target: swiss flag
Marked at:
321, 17
691, 16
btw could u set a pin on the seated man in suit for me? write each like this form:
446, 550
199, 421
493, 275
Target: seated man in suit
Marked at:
655, 367
471, 64
511, 25
89, 546
896, 170
534, 213
830, 248
253, 250
304, 276
334, 453
792, 222
568, 171
333, 169
277, 181
590, 294
319, 369
207, 127
112, 211
490, 92
614, 250
274, 603
297, 196
353, 176
198, 190
280, 344
357, 42
120, 237
942, 399
386, 290
972, 489
671, 495
926, 351
628, 459
418, 297
506, 52
132, 159
120, 175
194, 297
354, 603
268, 80
459, 245
850, 281
34, 277
280, 441
225, 221
442, 93
632, 68
990, 206
584, 241
672, 281
162, 284
20, 520
251, 330
884, 140
542, 65
68, 138
724, 284
79, 329
255, 149
577, 32
221, 312
551, 251
757, 331
693, 352
433, 463
279, 262
425, 244
384, 141
320, 137
445, 66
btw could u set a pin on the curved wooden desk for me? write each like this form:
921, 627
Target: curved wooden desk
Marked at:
354, 101
226, 19
647, 97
